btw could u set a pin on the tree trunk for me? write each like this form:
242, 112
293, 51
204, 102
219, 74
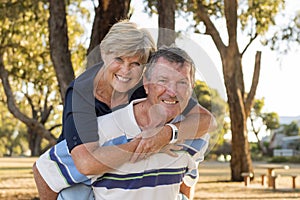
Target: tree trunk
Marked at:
106, 14
166, 22
240, 155
59, 45
34, 141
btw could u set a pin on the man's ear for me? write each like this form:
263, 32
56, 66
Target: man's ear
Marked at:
193, 85
145, 84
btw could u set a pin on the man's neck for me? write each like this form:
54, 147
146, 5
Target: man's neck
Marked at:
148, 116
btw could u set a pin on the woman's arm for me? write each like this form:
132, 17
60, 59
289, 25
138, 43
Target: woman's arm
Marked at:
92, 159
197, 122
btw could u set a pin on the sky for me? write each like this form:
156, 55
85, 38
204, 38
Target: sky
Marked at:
279, 81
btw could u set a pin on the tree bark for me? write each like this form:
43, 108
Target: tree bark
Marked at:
34, 141
240, 155
106, 14
166, 21
59, 45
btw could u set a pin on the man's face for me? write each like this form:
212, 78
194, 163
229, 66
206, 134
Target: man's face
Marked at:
169, 87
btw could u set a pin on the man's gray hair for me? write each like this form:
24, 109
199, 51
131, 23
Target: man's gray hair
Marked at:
172, 54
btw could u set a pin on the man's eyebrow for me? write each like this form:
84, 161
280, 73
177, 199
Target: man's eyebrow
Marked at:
161, 75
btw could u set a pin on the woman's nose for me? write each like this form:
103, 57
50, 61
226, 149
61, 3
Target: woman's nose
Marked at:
125, 67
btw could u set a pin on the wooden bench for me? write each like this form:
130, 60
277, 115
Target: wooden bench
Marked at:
247, 176
293, 176
273, 179
262, 176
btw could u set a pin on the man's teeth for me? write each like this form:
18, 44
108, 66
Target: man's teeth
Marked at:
120, 78
169, 102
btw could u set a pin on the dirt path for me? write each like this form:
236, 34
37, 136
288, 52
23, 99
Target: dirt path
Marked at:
16, 182
214, 184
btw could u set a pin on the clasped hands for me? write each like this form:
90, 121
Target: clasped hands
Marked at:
154, 141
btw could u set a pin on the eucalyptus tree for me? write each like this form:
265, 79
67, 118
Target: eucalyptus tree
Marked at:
228, 22
30, 89
41, 52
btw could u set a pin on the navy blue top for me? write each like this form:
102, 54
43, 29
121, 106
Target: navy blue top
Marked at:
81, 108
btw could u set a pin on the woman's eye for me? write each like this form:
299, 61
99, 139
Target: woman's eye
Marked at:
136, 64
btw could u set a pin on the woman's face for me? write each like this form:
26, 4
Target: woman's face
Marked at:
123, 73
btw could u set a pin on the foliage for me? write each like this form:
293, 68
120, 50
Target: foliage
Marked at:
259, 120
291, 129
212, 101
285, 159
286, 36
24, 46
12, 135
270, 119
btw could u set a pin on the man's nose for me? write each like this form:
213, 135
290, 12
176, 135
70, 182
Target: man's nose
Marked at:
171, 89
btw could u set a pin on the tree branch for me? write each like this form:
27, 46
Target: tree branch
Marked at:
255, 78
249, 43
230, 10
34, 112
46, 109
210, 27
16, 112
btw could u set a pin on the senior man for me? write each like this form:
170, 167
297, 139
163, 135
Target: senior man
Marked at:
168, 82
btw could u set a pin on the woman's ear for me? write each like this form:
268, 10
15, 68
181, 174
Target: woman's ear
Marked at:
103, 55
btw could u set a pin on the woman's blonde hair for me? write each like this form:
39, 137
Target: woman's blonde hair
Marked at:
127, 39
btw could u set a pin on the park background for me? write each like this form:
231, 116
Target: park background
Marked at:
39, 59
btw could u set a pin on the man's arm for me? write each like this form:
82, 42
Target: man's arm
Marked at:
186, 190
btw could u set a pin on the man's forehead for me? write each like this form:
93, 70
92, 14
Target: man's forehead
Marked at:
163, 64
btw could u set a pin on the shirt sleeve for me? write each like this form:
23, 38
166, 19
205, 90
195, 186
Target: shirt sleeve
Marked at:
79, 115
197, 149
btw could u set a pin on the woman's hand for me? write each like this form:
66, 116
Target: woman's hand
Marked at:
153, 141
170, 148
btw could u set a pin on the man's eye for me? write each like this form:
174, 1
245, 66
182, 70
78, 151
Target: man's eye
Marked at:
162, 81
183, 82
118, 59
